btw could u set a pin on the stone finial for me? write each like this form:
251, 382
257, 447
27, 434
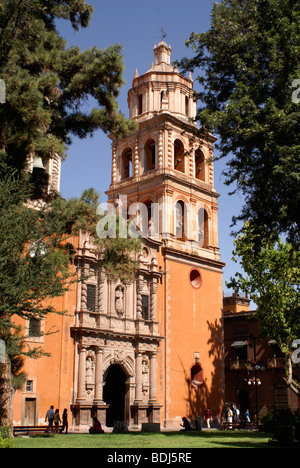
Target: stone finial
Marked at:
162, 53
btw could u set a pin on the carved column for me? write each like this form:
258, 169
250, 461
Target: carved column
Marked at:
170, 150
153, 290
101, 280
99, 376
139, 297
114, 165
81, 373
136, 161
83, 290
152, 395
139, 378
160, 150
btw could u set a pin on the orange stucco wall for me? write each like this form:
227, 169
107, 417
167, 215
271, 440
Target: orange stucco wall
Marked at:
192, 324
52, 376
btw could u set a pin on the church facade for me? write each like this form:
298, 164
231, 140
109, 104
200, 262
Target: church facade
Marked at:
150, 350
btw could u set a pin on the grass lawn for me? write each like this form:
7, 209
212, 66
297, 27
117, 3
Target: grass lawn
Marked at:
162, 440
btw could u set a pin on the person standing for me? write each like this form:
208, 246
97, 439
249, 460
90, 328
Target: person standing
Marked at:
65, 421
229, 417
50, 417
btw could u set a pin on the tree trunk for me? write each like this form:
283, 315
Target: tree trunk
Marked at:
6, 394
292, 383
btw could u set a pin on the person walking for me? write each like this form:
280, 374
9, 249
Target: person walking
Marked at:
50, 417
65, 421
247, 416
236, 414
208, 417
57, 420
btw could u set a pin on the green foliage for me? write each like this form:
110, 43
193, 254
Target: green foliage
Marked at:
36, 250
272, 281
6, 437
163, 440
118, 257
6, 443
34, 263
248, 60
283, 424
48, 85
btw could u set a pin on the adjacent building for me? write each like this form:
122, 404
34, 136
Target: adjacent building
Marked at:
254, 365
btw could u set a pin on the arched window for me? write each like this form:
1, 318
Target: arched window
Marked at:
199, 165
187, 106
197, 375
150, 156
203, 228
179, 163
143, 219
126, 163
195, 278
180, 218
140, 104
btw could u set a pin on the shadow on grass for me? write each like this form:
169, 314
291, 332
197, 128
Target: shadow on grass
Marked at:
168, 440
236, 439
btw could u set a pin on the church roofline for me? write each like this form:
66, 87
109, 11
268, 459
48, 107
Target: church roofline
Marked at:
197, 259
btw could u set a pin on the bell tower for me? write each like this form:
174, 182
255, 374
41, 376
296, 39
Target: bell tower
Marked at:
163, 173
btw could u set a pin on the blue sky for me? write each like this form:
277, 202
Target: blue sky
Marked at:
137, 25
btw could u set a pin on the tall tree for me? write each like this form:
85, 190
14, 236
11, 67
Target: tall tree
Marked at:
249, 67
271, 278
35, 255
47, 88
48, 84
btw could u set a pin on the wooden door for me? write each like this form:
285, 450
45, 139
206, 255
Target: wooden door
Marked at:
30, 410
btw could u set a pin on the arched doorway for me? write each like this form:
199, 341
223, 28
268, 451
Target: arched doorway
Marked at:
114, 393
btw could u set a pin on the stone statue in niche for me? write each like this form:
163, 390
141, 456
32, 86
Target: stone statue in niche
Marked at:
145, 374
119, 301
90, 380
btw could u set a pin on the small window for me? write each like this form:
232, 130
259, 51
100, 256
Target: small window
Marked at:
34, 328
197, 375
29, 385
91, 298
241, 353
145, 307
195, 279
